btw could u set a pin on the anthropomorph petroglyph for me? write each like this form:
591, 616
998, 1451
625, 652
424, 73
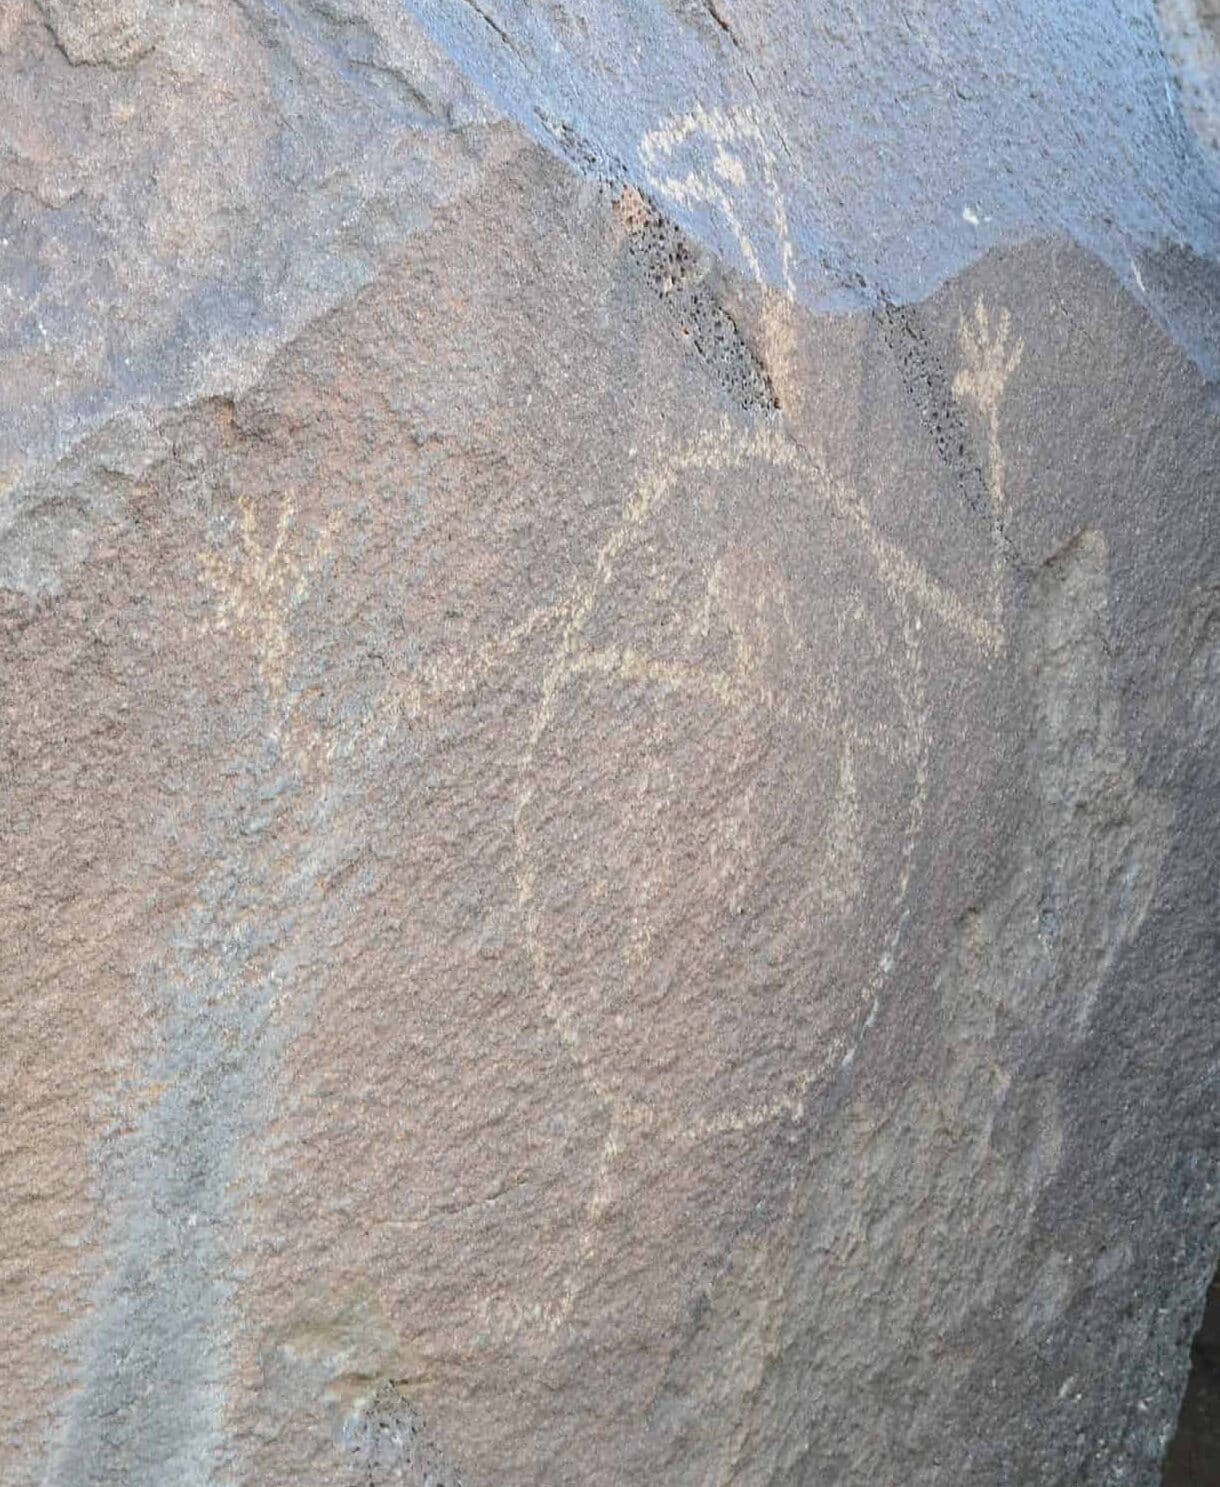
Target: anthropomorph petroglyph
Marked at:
770, 664
260, 578
174, 1182
909, 594
758, 677
739, 151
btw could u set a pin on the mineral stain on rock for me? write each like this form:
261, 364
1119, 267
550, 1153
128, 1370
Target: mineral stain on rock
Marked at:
153, 1363
383, 1440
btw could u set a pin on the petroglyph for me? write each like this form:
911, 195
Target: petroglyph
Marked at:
732, 641
990, 360
1101, 828
731, 648
990, 357
160, 1314
440, 682
260, 580
739, 150
745, 687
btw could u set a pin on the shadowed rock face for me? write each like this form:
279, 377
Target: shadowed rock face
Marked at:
610, 746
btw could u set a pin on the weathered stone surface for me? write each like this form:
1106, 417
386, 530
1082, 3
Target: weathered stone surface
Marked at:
611, 656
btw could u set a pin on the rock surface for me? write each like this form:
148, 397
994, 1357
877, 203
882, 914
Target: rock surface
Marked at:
611, 695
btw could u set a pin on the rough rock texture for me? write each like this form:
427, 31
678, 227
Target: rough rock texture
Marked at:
610, 639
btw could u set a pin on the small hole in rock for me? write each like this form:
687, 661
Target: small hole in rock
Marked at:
1193, 1458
